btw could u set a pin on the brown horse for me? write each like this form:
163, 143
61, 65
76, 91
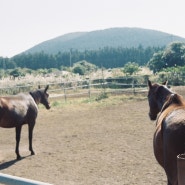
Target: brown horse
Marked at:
21, 109
169, 137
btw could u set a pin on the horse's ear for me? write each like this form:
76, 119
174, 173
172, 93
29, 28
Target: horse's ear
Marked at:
165, 83
46, 88
149, 84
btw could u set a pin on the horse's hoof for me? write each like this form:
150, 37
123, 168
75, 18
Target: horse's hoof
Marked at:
32, 153
19, 157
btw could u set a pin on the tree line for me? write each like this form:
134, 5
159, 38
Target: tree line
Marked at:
106, 57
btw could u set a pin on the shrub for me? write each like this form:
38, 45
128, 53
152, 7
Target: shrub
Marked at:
79, 69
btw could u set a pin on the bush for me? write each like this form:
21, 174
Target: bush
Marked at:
79, 69
131, 68
83, 67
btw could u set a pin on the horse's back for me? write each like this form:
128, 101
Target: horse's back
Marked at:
15, 109
177, 116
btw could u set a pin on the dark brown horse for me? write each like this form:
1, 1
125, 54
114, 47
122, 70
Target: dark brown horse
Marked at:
169, 137
21, 109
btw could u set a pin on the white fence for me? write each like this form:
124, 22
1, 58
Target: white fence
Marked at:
88, 89
13, 180
82, 88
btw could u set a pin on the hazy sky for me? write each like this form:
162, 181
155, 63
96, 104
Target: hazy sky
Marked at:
25, 23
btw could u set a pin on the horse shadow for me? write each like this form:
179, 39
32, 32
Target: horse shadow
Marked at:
7, 164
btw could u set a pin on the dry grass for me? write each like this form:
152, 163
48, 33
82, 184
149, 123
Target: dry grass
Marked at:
64, 76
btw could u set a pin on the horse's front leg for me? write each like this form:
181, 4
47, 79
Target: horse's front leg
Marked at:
30, 127
18, 136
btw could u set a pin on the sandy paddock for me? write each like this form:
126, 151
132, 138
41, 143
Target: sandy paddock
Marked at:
87, 144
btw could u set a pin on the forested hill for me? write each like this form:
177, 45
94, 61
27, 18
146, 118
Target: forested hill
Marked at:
113, 37
109, 48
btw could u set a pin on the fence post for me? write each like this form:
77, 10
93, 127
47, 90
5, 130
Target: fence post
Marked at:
133, 87
89, 88
103, 84
65, 96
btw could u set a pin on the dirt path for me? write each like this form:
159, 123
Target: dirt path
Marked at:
87, 145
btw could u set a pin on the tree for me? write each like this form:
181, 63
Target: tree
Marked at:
173, 55
131, 68
17, 72
156, 63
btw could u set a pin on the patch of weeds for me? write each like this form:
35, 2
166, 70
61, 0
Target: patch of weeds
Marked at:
56, 104
89, 100
101, 96
133, 97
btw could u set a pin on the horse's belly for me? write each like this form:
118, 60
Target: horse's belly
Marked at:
158, 146
9, 122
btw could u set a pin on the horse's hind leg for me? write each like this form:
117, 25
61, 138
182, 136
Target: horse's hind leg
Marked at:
18, 136
30, 127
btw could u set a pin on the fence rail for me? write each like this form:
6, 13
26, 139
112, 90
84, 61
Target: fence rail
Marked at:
81, 88
10, 179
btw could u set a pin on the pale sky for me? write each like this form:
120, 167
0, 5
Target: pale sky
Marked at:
26, 23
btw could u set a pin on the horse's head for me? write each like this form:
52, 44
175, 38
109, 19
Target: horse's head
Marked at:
44, 97
41, 96
157, 95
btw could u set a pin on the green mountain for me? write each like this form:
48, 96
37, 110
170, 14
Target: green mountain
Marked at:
113, 37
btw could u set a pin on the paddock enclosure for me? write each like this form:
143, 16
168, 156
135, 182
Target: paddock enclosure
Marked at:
87, 143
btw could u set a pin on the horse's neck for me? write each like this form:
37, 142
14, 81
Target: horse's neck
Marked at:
36, 96
166, 93
163, 96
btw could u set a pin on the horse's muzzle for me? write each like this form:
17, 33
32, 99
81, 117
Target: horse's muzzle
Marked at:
152, 117
47, 106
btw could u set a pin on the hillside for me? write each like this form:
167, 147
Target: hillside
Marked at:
113, 37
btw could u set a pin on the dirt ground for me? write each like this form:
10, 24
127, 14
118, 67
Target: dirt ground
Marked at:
87, 144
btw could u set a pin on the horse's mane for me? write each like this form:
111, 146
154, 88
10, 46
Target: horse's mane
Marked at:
36, 96
173, 101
